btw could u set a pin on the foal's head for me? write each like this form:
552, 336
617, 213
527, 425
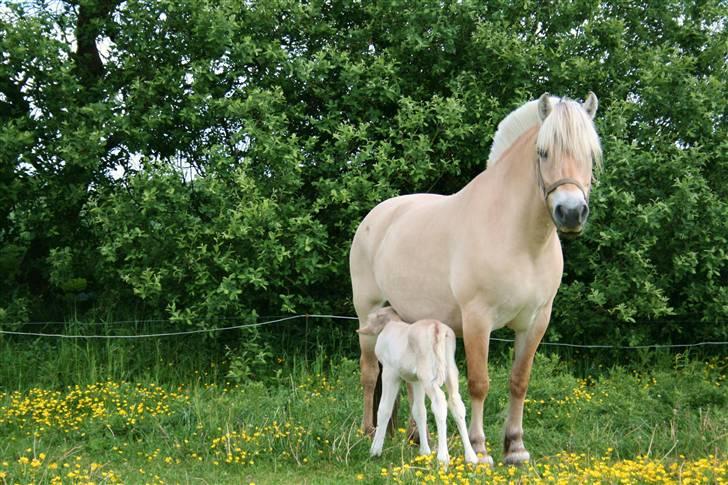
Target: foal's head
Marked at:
567, 149
376, 321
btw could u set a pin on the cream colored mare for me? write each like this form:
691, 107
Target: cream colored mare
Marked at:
486, 257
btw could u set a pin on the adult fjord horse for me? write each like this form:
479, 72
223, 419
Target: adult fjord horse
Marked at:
486, 257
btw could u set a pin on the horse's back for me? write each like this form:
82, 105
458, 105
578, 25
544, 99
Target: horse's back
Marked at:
374, 227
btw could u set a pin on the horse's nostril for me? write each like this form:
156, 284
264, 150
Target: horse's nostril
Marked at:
559, 212
583, 213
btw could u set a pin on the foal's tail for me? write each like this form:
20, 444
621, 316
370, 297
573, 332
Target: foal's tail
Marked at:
440, 337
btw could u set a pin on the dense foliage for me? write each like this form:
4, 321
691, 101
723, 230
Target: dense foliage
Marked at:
207, 159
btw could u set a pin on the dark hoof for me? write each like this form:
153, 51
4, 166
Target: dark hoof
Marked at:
518, 457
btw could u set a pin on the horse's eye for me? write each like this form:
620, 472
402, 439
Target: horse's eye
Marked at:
542, 153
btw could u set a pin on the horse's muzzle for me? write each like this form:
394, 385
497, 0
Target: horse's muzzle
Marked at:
570, 219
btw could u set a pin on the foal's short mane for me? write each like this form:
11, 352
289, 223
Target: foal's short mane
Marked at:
568, 129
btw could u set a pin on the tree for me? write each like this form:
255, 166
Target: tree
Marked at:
217, 160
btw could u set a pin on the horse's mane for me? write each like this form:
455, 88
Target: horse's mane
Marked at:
567, 121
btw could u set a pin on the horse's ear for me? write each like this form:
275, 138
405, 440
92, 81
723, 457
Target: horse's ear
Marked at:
544, 106
591, 103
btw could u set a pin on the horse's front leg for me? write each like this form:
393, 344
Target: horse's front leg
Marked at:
476, 335
525, 348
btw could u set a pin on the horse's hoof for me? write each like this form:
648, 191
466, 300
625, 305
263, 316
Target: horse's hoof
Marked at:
369, 431
518, 457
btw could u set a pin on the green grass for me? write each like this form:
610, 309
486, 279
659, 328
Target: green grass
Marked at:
296, 419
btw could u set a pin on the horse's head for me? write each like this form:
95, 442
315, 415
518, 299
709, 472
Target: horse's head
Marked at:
567, 148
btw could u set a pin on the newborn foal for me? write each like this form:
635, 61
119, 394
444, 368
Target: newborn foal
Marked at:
423, 354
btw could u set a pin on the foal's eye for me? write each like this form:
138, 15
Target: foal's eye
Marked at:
542, 153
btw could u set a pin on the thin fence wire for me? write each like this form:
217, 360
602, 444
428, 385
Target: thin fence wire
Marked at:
137, 321
280, 319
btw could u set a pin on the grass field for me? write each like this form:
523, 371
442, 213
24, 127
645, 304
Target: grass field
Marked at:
179, 421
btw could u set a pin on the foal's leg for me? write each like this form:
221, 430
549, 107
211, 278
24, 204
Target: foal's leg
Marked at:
369, 373
390, 389
438, 403
419, 414
476, 335
525, 348
457, 408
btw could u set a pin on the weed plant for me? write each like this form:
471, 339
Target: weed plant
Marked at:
183, 410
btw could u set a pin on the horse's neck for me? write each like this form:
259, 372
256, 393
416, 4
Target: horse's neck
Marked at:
525, 213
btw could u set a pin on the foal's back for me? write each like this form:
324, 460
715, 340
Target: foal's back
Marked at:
432, 338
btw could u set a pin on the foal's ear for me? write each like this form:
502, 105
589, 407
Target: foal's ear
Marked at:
544, 106
591, 103
367, 330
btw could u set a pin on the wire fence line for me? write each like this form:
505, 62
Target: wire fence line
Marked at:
280, 319
137, 321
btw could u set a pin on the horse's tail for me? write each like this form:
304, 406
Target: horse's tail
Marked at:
439, 344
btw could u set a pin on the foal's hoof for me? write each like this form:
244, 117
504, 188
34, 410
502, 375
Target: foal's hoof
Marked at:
471, 458
518, 457
369, 431
485, 459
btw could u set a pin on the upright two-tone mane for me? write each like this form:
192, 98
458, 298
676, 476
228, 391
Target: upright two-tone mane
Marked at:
568, 129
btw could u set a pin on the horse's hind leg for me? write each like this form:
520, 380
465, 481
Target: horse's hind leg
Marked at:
369, 375
525, 348
367, 298
368, 363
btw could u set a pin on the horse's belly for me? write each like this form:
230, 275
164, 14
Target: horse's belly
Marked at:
411, 263
414, 300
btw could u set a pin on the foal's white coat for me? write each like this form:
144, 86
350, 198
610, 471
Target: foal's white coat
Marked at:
422, 354
486, 257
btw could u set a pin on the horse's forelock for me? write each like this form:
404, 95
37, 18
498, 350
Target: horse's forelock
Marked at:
569, 130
